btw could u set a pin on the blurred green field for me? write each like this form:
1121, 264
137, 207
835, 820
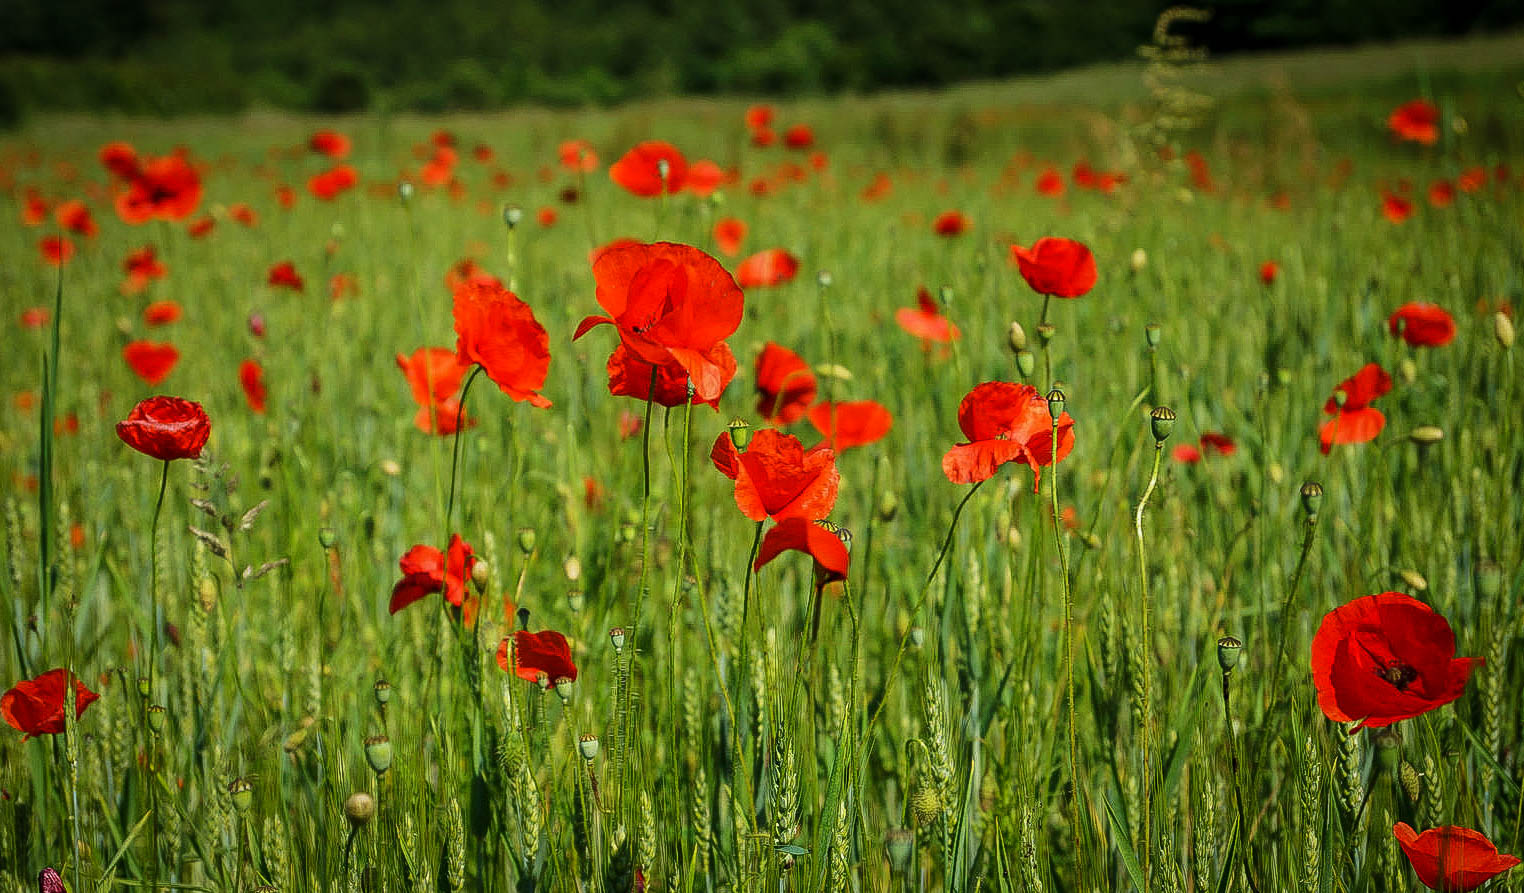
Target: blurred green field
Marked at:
924, 740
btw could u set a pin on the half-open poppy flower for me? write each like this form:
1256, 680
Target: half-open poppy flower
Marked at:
776, 477
814, 538
166, 428
765, 268
785, 385
166, 188
853, 424
331, 143
545, 652
151, 361
426, 570
251, 376
729, 233
630, 376
38, 706
1452, 858
1384, 658
284, 275
434, 375
639, 171
1422, 325
498, 331
1062, 268
1354, 419
950, 223
1005, 422
925, 320
1416, 121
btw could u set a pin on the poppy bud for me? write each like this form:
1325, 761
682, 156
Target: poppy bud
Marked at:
1312, 498
1407, 370
572, 567
360, 808
587, 745
1139, 260
143, 687
1388, 748
481, 573
1026, 363
405, 191
1340, 398
888, 506
1228, 650
378, 753
383, 692
1414, 579
512, 214
1502, 329
1016, 336
156, 719
917, 636
1091, 539
390, 467
327, 538
526, 540
1489, 579
945, 295
542, 679
1045, 333
241, 790
564, 688
823, 279
576, 601
617, 636
1424, 435
1152, 334
48, 881
900, 844
523, 617
1056, 401
1162, 421
740, 434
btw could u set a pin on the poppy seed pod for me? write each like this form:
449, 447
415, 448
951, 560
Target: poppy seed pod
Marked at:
1162, 421
1489, 579
587, 745
523, 617
1026, 363
1056, 400
917, 636
1502, 329
900, 844
1016, 336
617, 636
241, 791
1045, 333
359, 809
512, 214
1312, 498
327, 538
576, 601
405, 191
1229, 649
378, 753
564, 689
383, 692
526, 540
740, 434
1152, 335
1388, 748
156, 719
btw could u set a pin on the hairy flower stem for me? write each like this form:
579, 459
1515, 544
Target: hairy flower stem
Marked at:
1047, 355
1238, 792
1145, 734
154, 583
1063, 576
1310, 528
627, 705
460, 417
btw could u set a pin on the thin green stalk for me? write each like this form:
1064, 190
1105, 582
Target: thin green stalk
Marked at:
1045, 336
627, 704
1063, 576
1145, 736
154, 581
460, 416
1238, 794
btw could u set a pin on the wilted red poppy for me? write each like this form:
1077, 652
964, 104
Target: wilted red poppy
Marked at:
729, 233
1050, 183
38, 706
818, 539
545, 652
35, 317
434, 375
1005, 422
1354, 419
852, 424
671, 304
251, 376
577, 156
284, 275
166, 188
776, 477
498, 332
1221, 444
785, 385
639, 171
1062, 268
74, 216
759, 116
56, 250
630, 376
950, 223
425, 570
120, 159
333, 182
771, 267
1383, 658
1452, 858
1268, 271
1395, 208
161, 313
331, 143
925, 320
1416, 121
1422, 325
166, 428
142, 267
1441, 193
800, 136
151, 361
243, 214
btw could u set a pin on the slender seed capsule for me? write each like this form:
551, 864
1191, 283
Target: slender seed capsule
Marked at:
1312, 498
1228, 650
1056, 402
383, 692
241, 791
740, 434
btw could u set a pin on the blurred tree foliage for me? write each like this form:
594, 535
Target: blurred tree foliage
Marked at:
171, 56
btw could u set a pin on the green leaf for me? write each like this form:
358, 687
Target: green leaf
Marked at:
1123, 845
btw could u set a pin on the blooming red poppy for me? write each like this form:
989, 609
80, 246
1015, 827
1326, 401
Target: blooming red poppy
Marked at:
704, 177
161, 313
142, 267
1062, 268
434, 375
151, 361
120, 159
166, 188
1441, 193
630, 376
759, 116
343, 285
243, 214
785, 385
1050, 183
776, 477
74, 216
821, 542
38, 706
545, 652
729, 233
1268, 271
425, 570
771, 267
1416, 121
577, 156
1354, 419
56, 250
951, 223
333, 182
1395, 208
1452, 858
331, 143
925, 320
285, 196
800, 136
671, 304
1005, 422
639, 171
35, 317
166, 428
497, 331
284, 275
852, 424
1422, 325
251, 375
1383, 658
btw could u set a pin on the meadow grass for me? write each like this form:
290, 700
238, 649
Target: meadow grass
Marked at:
927, 739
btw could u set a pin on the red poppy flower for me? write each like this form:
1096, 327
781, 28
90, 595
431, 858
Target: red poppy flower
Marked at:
704, 177
1221, 444
925, 321
201, 227
785, 385
1083, 175
630, 376
161, 313
800, 136
771, 267
37, 706
284, 275
142, 266
1050, 183
498, 331
880, 187
331, 143
1384, 658
1441, 193
1422, 325
950, 223
343, 285
629, 423
1395, 208
545, 652
1062, 268
1472, 179
333, 182
1268, 271
34, 210
120, 159
1452, 858
434, 375
1186, 453
777, 478
166, 428
639, 171
243, 214
759, 116
74, 216
814, 538
577, 156
285, 196
151, 361
1416, 121
1005, 422
672, 304
251, 376
56, 250
425, 570
764, 138
166, 188
847, 425
1355, 420
729, 233
35, 317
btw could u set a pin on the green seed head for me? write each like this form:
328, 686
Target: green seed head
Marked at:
587, 745
617, 636
576, 601
1312, 498
1162, 421
564, 688
1153, 334
157, 716
378, 753
1045, 333
1229, 649
526, 540
360, 808
241, 791
327, 538
512, 214
740, 434
383, 692
1056, 400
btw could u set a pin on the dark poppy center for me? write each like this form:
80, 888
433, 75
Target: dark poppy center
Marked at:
1399, 674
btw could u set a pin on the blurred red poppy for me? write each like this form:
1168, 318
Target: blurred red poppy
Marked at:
331, 143
1268, 271
704, 177
201, 227
343, 285
166, 188
74, 216
925, 320
1383, 658
950, 223
1005, 422
142, 267
166, 428
577, 156
1221, 444
151, 361
1354, 419
1050, 183
546, 217
880, 187
818, 539
498, 332
1472, 179
1395, 208
764, 138
38, 706
759, 116
671, 304
545, 652
251, 375
467, 270
785, 385
1441, 193
161, 313
777, 478
1186, 453
639, 171
630, 376
729, 233
56, 250
852, 424
333, 182
1422, 325
1062, 268
765, 268
434, 375
120, 159
1452, 858
799, 136
284, 275
34, 209
35, 317
425, 570
1416, 121
243, 214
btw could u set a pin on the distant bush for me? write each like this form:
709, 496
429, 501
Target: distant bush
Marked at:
341, 91
11, 112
